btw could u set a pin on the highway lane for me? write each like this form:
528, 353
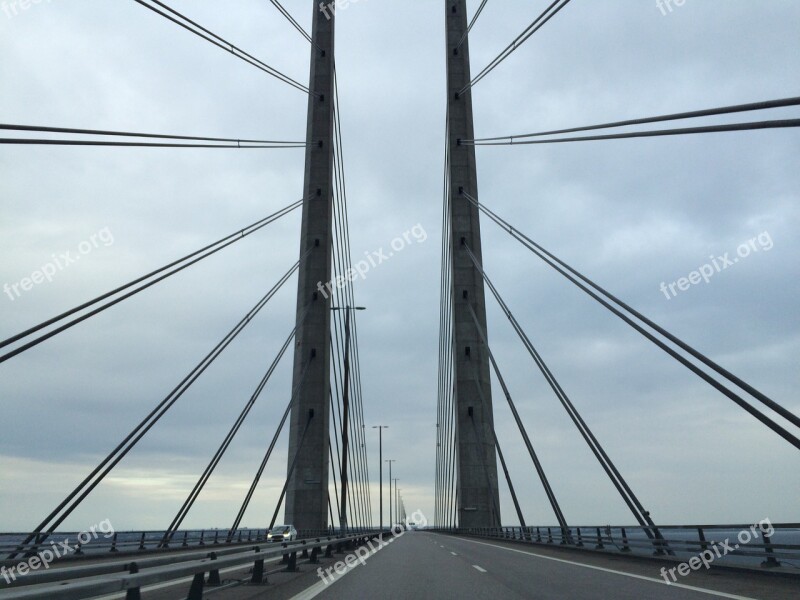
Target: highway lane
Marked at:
427, 565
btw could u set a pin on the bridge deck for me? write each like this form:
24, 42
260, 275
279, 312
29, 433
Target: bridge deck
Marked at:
427, 565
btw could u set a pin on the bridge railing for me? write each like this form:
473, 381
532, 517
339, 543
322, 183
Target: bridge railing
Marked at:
125, 542
106, 577
775, 546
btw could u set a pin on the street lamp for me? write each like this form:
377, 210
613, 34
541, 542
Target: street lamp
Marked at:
380, 429
345, 408
396, 502
398, 509
390, 461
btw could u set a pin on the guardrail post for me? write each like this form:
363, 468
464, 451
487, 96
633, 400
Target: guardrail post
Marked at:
35, 547
625, 546
114, 543
291, 567
599, 545
771, 561
329, 551
305, 551
213, 574
314, 554
538, 536
133, 593
549, 536
141, 542
580, 538
185, 543
216, 537
196, 591
258, 577
78, 550
702, 537
202, 538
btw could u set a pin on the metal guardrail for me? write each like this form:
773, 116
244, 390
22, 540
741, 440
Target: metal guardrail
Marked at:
150, 540
674, 541
90, 580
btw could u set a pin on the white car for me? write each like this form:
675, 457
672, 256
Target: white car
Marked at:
282, 533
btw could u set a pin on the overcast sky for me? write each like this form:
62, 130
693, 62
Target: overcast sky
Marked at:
631, 214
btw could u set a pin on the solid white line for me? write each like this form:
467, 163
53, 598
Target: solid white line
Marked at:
479, 569
623, 573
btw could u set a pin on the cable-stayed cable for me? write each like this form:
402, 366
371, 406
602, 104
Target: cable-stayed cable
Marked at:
291, 468
633, 503
562, 522
342, 250
550, 12
292, 20
708, 112
153, 136
446, 471
471, 24
753, 125
508, 479
71, 502
218, 41
226, 442
246, 502
176, 266
576, 277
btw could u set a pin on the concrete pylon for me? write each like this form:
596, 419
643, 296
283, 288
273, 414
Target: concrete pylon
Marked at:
307, 492
477, 491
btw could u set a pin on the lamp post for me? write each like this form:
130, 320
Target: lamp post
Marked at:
345, 409
399, 508
396, 503
390, 461
380, 429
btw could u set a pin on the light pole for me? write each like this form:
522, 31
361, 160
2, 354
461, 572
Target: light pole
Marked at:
380, 429
345, 408
399, 508
390, 461
396, 503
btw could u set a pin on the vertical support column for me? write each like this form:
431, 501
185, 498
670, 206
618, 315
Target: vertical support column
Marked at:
477, 494
307, 493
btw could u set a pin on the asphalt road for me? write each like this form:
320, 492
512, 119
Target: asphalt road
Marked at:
419, 565
426, 565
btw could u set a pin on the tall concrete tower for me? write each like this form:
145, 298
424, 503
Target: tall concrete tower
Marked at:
307, 492
478, 497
